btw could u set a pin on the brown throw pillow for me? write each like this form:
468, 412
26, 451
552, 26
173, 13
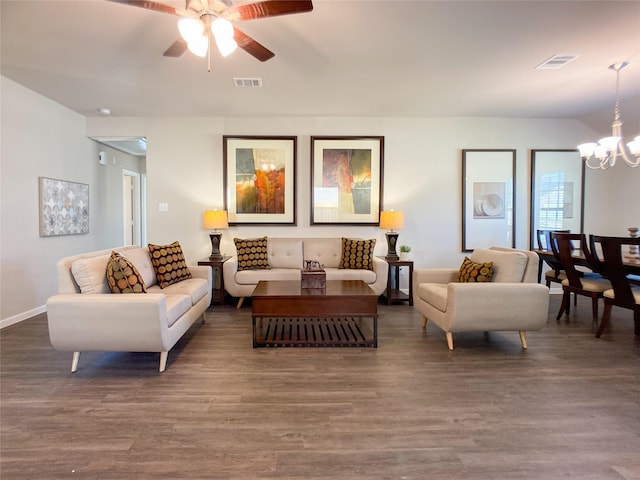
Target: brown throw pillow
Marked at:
123, 276
252, 253
357, 254
475, 272
169, 264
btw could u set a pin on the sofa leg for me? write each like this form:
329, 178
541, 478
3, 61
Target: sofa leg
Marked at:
424, 321
449, 336
240, 300
523, 338
74, 361
204, 319
163, 360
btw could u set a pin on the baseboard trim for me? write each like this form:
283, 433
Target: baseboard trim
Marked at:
22, 316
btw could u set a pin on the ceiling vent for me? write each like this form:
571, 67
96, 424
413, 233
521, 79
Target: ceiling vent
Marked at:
247, 82
557, 61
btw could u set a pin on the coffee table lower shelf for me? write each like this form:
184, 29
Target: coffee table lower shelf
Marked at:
314, 332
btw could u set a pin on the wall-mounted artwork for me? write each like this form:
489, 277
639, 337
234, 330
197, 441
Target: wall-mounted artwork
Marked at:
346, 180
557, 192
259, 180
64, 207
488, 198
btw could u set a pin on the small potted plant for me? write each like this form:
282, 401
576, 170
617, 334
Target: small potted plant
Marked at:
404, 252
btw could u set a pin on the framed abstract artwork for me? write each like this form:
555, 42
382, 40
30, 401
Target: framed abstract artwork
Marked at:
557, 192
260, 180
488, 199
64, 207
346, 180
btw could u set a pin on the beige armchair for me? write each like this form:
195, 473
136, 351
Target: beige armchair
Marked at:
512, 301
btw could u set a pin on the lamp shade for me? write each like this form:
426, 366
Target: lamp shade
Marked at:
214, 219
390, 220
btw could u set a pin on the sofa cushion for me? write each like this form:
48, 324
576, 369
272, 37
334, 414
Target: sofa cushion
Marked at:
169, 263
90, 274
196, 288
367, 276
357, 254
142, 261
285, 253
252, 277
177, 306
434, 294
326, 251
507, 266
123, 276
475, 272
252, 253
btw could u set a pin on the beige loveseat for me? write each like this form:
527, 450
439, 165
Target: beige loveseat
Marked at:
286, 259
86, 316
513, 300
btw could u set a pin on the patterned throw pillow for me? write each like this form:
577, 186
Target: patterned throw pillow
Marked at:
357, 254
475, 272
123, 276
252, 253
169, 264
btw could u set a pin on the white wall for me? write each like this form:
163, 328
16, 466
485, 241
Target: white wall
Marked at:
184, 169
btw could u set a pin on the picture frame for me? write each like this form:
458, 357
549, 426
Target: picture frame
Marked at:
346, 180
63, 207
488, 198
557, 192
259, 175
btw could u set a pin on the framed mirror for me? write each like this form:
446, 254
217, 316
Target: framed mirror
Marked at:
557, 192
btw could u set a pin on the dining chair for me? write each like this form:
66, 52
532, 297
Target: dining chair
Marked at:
625, 293
556, 274
592, 285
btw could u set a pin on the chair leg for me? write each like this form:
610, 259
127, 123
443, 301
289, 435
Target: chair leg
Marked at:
74, 361
240, 300
523, 338
449, 336
564, 306
424, 321
594, 308
163, 360
636, 321
575, 299
605, 318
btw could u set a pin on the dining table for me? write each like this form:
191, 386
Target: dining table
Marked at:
631, 262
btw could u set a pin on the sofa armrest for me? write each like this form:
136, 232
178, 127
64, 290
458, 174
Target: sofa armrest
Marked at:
202, 271
109, 321
498, 306
434, 275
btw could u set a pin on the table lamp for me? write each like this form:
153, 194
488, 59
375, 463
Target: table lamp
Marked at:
390, 220
215, 219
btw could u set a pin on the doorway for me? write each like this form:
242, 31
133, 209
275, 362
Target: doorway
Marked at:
132, 208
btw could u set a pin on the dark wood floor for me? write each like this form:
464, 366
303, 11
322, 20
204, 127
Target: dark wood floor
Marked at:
568, 407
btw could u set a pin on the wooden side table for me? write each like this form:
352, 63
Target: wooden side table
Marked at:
217, 290
393, 292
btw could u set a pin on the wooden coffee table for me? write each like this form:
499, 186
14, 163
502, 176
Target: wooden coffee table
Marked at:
285, 315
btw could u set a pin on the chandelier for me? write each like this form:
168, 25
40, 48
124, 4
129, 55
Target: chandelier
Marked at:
604, 154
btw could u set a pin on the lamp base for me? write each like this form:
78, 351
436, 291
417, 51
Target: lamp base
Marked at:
392, 240
215, 246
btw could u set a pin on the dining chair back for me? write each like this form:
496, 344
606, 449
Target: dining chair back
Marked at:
570, 248
555, 275
615, 267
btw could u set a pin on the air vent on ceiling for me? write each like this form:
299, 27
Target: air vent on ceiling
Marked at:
557, 61
247, 82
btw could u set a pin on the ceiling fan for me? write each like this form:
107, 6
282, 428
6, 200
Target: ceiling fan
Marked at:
205, 20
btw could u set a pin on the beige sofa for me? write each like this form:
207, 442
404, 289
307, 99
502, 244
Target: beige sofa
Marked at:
85, 316
512, 301
286, 259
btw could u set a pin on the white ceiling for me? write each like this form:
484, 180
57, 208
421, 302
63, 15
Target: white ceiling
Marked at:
345, 58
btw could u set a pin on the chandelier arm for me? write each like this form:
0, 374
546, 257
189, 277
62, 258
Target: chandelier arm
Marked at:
627, 156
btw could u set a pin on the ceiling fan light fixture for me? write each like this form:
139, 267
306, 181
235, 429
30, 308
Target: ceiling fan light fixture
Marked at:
199, 46
226, 46
190, 29
222, 28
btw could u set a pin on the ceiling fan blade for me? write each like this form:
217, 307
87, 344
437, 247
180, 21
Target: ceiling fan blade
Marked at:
158, 7
176, 49
268, 8
252, 47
